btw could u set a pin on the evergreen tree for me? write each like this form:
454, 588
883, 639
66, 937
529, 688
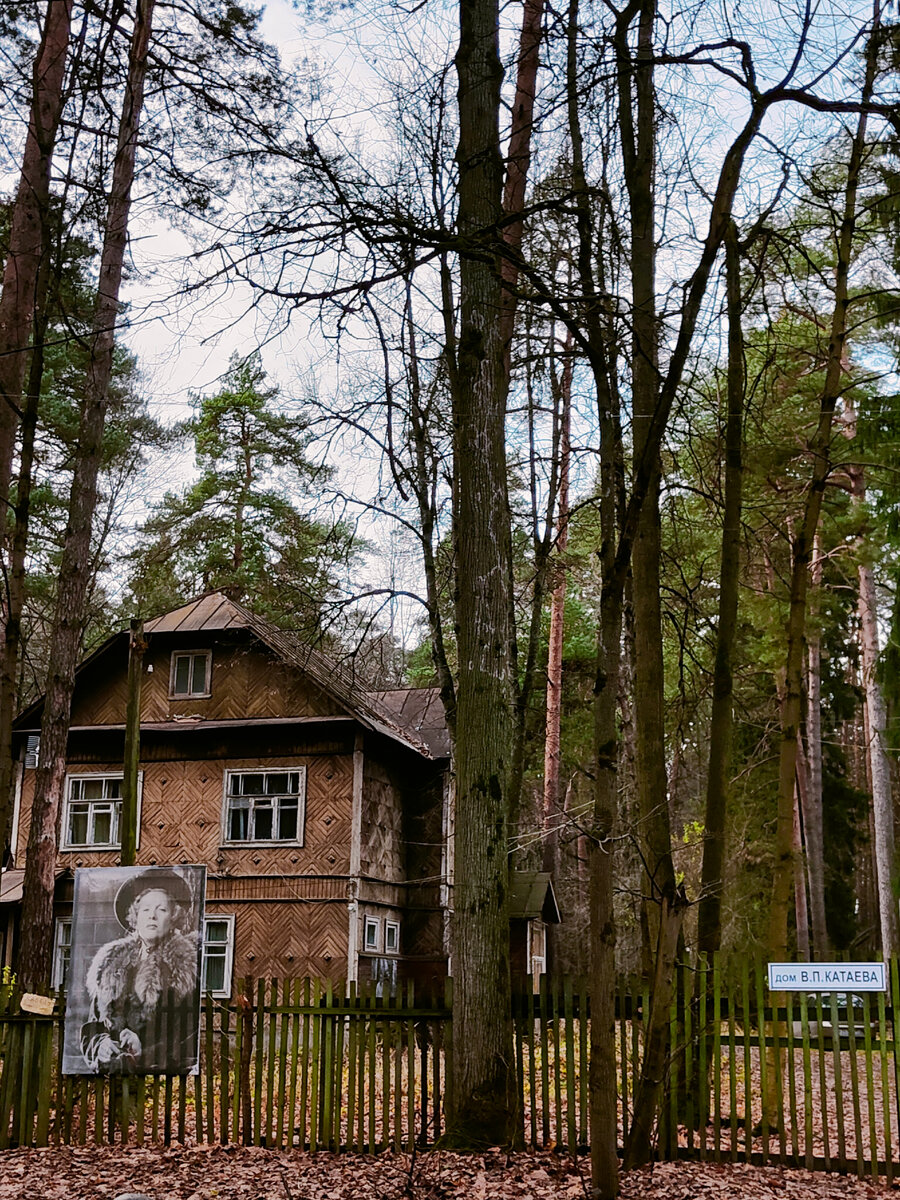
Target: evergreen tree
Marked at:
240, 527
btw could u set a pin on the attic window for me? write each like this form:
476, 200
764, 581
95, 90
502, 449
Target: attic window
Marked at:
190, 674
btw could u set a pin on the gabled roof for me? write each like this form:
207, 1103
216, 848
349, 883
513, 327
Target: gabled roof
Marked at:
531, 897
216, 612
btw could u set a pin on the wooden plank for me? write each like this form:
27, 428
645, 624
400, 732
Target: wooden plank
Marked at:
397, 1001
748, 1070
838, 1082
557, 1065
687, 994
259, 1047
532, 1067
371, 1145
624, 1088
209, 1064
304, 1077
292, 1084
569, 1032
808, 1150
182, 1107
763, 1028
869, 1069
271, 1056
223, 1076
791, 1077
584, 1060
411, 1071
314, 1082
717, 1055
447, 1034
823, 1089
327, 1081
352, 1064
167, 1113
545, 1064
703, 982
894, 973
858, 1151
340, 1034
732, 1062
518, 1023
885, 1093
140, 1100
386, 1047
44, 1077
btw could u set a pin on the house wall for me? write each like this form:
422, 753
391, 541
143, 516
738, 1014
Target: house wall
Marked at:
247, 681
181, 817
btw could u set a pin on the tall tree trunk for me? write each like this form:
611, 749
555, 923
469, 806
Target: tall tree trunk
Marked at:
801, 554
483, 1094
552, 744
639, 140
43, 838
12, 629
26, 238
800, 906
518, 161
879, 765
804, 537
709, 919
813, 833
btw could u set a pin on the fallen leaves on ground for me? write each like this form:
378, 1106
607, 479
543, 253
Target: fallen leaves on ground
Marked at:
254, 1173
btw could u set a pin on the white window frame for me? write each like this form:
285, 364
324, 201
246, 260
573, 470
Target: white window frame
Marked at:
373, 923
227, 919
293, 769
116, 843
537, 963
57, 969
190, 695
390, 926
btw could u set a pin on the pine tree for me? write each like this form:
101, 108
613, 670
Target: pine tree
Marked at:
241, 527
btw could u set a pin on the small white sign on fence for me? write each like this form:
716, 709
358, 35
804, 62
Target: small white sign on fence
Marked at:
827, 977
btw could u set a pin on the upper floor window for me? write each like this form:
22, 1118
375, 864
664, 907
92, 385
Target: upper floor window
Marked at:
265, 806
93, 811
190, 674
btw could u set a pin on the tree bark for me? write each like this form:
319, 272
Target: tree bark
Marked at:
879, 766
483, 1093
552, 744
709, 919
813, 832
801, 554
804, 538
43, 839
26, 238
800, 906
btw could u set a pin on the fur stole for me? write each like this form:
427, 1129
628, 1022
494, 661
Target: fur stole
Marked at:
122, 972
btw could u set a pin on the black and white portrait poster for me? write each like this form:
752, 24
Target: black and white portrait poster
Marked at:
133, 1004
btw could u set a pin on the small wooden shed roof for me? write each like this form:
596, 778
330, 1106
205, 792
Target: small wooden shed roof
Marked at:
531, 897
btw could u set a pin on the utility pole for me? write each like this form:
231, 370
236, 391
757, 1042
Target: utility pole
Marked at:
137, 647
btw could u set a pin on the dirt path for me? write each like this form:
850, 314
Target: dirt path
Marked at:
230, 1173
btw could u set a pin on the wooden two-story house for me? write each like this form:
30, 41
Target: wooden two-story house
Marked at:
321, 810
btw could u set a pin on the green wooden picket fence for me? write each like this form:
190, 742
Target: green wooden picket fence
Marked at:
301, 1063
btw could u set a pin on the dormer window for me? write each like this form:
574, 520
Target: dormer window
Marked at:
191, 674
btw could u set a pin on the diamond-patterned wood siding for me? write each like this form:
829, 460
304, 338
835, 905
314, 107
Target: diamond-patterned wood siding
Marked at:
290, 939
247, 681
382, 824
181, 818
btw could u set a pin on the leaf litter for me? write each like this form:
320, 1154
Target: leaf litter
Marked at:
256, 1173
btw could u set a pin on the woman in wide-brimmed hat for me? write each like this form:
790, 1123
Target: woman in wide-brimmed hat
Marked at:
142, 986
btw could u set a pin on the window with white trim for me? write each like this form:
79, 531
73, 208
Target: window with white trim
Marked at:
265, 806
392, 937
62, 954
93, 811
190, 674
372, 934
218, 954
